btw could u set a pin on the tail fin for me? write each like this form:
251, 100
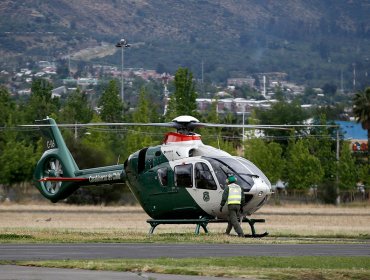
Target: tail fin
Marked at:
57, 175
55, 165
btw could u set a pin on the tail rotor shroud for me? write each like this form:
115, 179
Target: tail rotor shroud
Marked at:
53, 168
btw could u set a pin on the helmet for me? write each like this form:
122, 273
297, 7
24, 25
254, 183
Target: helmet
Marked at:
231, 179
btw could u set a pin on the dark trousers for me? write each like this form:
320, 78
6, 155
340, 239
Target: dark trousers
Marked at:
234, 210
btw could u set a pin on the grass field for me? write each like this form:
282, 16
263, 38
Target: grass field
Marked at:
89, 223
128, 224
317, 268
286, 224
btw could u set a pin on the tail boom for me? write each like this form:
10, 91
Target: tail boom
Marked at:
57, 175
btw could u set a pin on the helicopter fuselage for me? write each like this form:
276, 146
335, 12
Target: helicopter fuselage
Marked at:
185, 179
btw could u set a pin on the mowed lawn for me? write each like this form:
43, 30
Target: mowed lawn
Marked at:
41, 221
286, 224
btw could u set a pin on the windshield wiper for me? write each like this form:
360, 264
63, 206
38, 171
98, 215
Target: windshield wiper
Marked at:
250, 175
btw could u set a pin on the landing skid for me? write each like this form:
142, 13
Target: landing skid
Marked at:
199, 222
251, 223
202, 222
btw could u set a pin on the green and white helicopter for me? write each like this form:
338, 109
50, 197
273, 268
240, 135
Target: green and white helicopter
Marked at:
179, 181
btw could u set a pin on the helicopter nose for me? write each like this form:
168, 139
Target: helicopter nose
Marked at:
263, 188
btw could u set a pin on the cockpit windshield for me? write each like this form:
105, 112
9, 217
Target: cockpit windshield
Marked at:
254, 169
223, 166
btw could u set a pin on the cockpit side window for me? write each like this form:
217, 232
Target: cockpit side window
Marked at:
163, 176
184, 176
203, 177
220, 171
224, 166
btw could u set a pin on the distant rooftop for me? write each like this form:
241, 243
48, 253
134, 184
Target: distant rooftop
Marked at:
352, 130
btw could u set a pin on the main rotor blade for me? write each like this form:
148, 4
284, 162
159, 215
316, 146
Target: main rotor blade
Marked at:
190, 126
257, 126
175, 125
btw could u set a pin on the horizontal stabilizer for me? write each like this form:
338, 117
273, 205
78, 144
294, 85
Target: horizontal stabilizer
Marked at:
62, 179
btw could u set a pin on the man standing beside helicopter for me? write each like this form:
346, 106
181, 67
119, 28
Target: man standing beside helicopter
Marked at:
233, 194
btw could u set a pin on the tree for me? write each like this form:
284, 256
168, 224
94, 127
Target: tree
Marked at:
98, 142
17, 160
7, 106
361, 110
183, 100
279, 94
41, 103
281, 113
364, 174
303, 169
323, 147
268, 157
213, 136
94, 149
140, 137
347, 169
77, 108
111, 104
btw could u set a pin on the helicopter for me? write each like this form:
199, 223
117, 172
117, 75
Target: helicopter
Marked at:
179, 181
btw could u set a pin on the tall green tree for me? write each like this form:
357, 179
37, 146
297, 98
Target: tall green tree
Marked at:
183, 100
41, 103
282, 113
7, 106
76, 109
361, 110
364, 174
347, 169
111, 104
323, 147
267, 156
214, 136
96, 141
279, 114
94, 149
140, 137
17, 160
302, 169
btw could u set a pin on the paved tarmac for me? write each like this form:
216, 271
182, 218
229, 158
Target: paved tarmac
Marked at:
12, 272
141, 250
150, 250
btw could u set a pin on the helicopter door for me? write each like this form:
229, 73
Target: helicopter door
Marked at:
205, 191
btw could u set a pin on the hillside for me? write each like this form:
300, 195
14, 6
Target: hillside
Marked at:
310, 40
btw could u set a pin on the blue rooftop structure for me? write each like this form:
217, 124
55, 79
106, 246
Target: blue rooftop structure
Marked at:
352, 130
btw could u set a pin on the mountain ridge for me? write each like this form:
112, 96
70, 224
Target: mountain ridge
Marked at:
180, 33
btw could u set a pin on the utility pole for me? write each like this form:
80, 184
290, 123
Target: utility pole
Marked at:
354, 77
75, 131
202, 77
337, 200
122, 44
243, 127
69, 65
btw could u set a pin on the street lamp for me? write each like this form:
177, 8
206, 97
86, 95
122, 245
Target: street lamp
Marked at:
122, 44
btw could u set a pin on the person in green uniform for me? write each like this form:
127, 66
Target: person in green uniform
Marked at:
233, 195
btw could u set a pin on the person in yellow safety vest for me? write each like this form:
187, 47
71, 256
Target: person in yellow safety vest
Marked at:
233, 195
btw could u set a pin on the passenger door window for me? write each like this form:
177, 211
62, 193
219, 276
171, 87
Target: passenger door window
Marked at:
203, 177
184, 176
